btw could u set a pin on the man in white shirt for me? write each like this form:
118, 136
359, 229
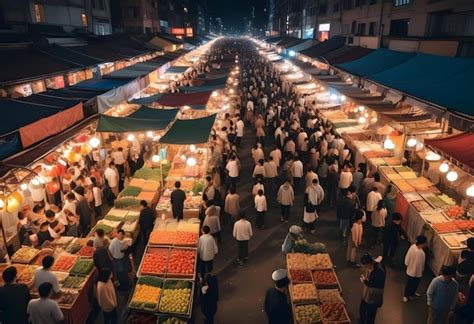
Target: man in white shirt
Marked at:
207, 249
232, 169
242, 233
121, 262
240, 128
345, 178
415, 262
271, 174
119, 160
112, 177
372, 200
44, 310
297, 173
275, 154
44, 274
261, 207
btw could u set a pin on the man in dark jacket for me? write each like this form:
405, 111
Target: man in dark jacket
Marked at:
146, 220
276, 304
83, 210
346, 208
14, 299
392, 235
373, 281
178, 197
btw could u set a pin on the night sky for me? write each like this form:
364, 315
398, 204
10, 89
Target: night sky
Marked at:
233, 12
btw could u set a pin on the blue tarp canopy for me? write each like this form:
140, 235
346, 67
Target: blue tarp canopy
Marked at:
41, 99
146, 100
177, 69
100, 84
379, 60
213, 82
126, 124
69, 55
72, 94
153, 113
327, 46
133, 71
202, 88
189, 131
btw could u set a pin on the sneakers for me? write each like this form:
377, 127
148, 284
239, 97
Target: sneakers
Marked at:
405, 300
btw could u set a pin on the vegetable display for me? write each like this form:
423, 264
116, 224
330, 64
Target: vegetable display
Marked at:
303, 292
82, 266
64, 263
319, 261
86, 251
307, 313
25, 254
130, 191
74, 282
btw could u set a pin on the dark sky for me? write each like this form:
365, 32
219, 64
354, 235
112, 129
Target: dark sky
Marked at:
233, 12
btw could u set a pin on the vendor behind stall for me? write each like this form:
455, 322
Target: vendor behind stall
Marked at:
44, 274
118, 249
295, 242
276, 304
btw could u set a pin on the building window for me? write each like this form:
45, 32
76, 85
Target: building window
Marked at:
361, 29
372, 28
322, 9
353, 27
98, 4
372, 2
346, 28
84, 20
399, 27
398, 3
39, 13
451, 24
346, 4
335, 7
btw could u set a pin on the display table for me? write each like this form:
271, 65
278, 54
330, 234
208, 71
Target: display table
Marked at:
80, 310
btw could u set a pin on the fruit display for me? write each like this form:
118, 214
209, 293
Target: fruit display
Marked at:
170, 320
176, 297
64, 263
127, 203
186, 238
307, 313
86, 251
300, 275
25, 254
130, 191
446, 227
464, 224
319, 261
27, 275
74, 282
182, 263
147, 293
422, 206
303, 292
329, 295
141, 318
106, 228
148, 196
82, 266
448, 200
162, 238
455, 240
296, 261
434, 200
434, 217
42, 254
334, 312
136, 182
188, 227
455, 212
325, 278
403, 185
66, 298
303, 246
76, 245
155, 261
151, 186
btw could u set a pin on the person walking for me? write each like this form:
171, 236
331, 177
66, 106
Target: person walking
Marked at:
276, 304
392, 235
285, 198
261, 207
378, 222
213, 221
373, 283
207, 250
209, 297
232, 169
242, 233
442, 296
232, 206
106, 297
178, 197
297, 173
415, 262
14, 299
146, 219
122, 266
271, 174
313, 197
44, 310
373, 198
355, 240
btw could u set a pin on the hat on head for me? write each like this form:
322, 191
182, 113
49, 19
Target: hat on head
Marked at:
295, 229
279, 274
367, 258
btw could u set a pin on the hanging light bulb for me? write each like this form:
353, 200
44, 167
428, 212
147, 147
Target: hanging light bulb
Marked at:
23, 186
431, 156
191, 162
452, 176
231, 91
444, 167
412, 142
470, 190
183, 157
94, 142
192, 148
342, 98
35, 182
362, 120
149, 134
155, 158
361, 108
131, 137
388, 144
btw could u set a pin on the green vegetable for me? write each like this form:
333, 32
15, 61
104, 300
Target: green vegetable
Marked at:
150, 281
107, 229
114, 218
130, 191
127, 203
82, 266
198, 187
149, 173
73, 282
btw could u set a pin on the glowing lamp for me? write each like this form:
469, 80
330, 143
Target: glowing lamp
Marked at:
23, 186
155, 158
94, 142
412, 142
149, 134
191, 162
130, 137
362, 120
388, 144
444, 167
2, 202
431, 156
35, 182
452, 176
361, 108
470, 191
333, 97
342, 98
292, 53
192, 148
231, 91
14, 202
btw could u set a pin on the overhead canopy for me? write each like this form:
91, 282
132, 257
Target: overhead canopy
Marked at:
133, 71
203, 88
290, 41
177, 69
127, 124
147, 100
189, 131
152, 113
346, 54
70, 55
41, 99
379, 60
459, 147
72, 94
329, 45
100, 84
183, 99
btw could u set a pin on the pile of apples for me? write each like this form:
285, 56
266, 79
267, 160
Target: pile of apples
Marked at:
155, 261
175, 300
181, 261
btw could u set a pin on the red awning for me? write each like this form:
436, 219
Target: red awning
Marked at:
459, 147
184, 99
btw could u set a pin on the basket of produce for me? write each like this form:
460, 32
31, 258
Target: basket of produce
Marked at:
86, 252
64, 263
82, 266
161, 238
132, 216
188, 226
154, 262
447, 227
74, 282
464, 224
300, 275
27, 275
77, 244
127, 203
61, 276
151, 186
151, 174
306, 314
296, 261
334, 313
106, 228
141, 318
455, 241
25, 254
130, 191
186, 239
136, 182
148, 196
146, 295
325, 279
167, 319
176, 297
67, 298
182, 263
43, 252
303, 292
455, 212
319, 261
329, 296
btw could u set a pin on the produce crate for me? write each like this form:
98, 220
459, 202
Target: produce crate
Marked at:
175, 285
141, 318
296, 306
296, 261
303, 299
67, 298
192, 276
145, 259
27, 275
331, 282
186, 239
75, 282
329, 296
161, 238
86, 252
64, 263
39, 258
334, 313
300, 276
455, 241
25, 254
319, 261
167, 319
82, 267
146, 306
76, 245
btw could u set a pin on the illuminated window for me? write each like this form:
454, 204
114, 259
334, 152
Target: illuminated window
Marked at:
39, 13
84, 20
401, 2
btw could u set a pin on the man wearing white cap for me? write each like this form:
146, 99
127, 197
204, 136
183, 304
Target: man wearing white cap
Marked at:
276, 304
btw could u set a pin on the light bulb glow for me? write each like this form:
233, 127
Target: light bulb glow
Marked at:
388, 144
444, 167
452, 176
155, 158
35, 182
214, 94
192, 148
191, 162
412, 142
431, 156
94, 142
292, 53
470, 191
361, 108
362, 120
342, 98
149, 134
23, 186
2, 204
333, 97
41, 180
130, 137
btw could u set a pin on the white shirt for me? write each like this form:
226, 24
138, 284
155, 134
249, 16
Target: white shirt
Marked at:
207, 247
250, 105
240, 128
372, 200
44, 311
415, 261
97, 192
233, 168
345, 180
260, 203
257, 155
111, 176
297, 169
242, 230
271, 169
42, 276
118, 157
116, 247
276, 155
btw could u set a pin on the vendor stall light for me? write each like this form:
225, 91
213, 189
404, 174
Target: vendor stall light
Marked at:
23, 186
470, 191
192, 148
214, 94
231, 91
342, 98
361, 108
452, 176
412, 142
149, 134
2, 203
183, 157
94, 142
333, 97
374, 120
236, 83
131, 137
186, 107
35, 182
292, 53
305, 59
348, 80
431, 156
366, 115
362, 120
191, 162
444, 167
156, 138
388, 144
155, 158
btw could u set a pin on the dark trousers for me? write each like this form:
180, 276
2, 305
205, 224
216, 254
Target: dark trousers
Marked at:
271, 185
285, 211
367, 313
411, 286
206, 267
98, 212
375, 234
238, 141
297, 183
110, 317
260, 222
389, 249
243, 248
233, 182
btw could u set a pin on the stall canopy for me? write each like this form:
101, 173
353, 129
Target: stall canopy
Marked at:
147, 100
69, 55
42, 99
134, 71
177, 69
183, 99
458, 147
289, 41
189, 131
324, 47
152, 113
100, 84
127, 124
203, 88
345, 54
379, 60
